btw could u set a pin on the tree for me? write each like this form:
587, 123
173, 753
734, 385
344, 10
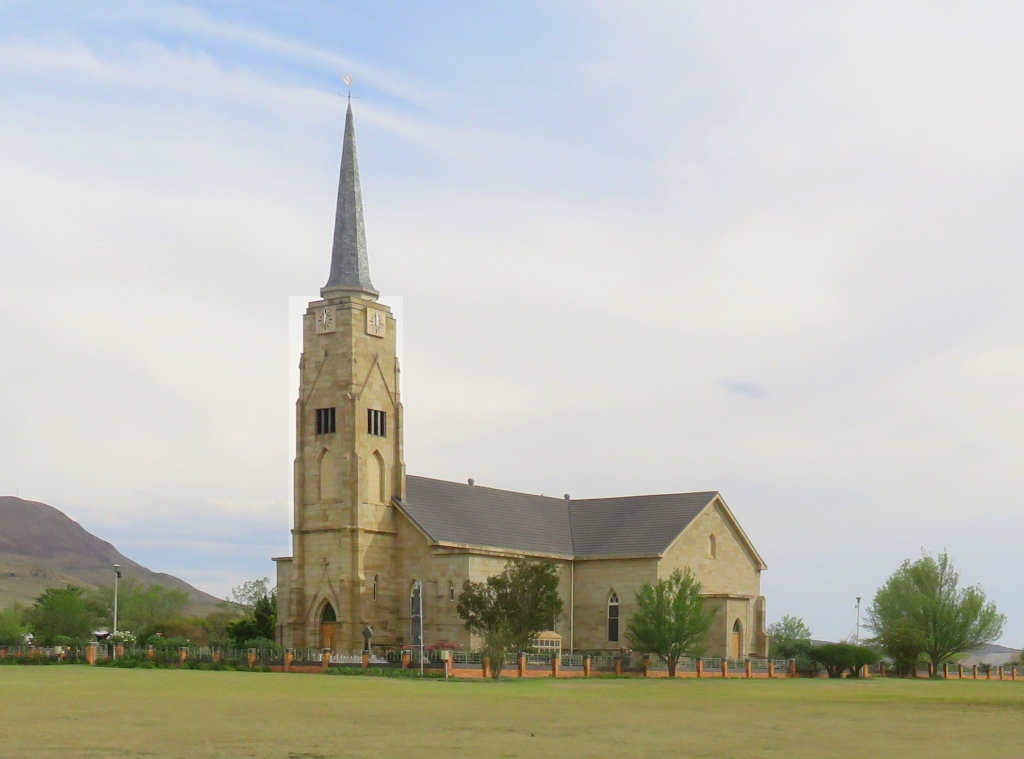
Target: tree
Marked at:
510, 609
12, 630
61, 612
923, 606
790, 637
259, 623
249, 592
670, 620
139, 607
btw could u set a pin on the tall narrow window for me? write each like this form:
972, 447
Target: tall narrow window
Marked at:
451, 590
712, 545
613, 618
377, 422
325, 421
376, 582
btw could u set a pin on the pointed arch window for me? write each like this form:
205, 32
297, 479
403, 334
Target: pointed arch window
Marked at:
712, 545
613, 618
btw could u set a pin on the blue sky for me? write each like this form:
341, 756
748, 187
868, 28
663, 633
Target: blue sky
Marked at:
771, 251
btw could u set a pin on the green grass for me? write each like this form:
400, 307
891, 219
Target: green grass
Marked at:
99, 712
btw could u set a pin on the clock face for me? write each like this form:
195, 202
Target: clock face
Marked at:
376, 324
324, 320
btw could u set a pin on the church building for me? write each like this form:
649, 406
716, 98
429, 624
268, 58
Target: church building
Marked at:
365, 533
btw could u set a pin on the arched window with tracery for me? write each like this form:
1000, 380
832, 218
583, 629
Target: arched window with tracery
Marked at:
613, 618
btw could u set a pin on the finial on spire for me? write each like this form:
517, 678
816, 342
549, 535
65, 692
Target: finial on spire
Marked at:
348, 80
350, 266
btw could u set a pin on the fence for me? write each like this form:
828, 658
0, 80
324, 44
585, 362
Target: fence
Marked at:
471, 663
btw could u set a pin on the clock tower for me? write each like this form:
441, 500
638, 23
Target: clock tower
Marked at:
348, 449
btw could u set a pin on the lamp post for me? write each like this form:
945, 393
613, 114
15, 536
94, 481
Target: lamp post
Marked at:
858, 620
117, 576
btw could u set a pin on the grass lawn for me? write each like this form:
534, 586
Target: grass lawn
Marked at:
85, 712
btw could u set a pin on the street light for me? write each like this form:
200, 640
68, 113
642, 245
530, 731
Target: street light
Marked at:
858, 620
117, 576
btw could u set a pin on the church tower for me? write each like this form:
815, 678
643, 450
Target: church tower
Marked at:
348, 448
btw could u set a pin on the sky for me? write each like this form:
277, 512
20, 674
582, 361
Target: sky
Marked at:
765, 249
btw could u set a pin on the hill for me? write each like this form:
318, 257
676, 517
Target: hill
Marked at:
41, 547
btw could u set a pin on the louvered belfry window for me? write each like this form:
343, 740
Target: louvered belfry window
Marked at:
377, 422
325, 421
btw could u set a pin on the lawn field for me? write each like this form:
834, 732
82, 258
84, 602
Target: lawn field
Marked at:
85, 712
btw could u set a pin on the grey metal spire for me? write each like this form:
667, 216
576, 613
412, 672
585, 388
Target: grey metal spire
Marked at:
350, 267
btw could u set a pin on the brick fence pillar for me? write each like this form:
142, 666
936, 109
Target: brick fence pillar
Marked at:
974, 671
521, 662
556, 664
586, 665
1013, 673
792, 667
960, 671
325, 658
182, 654
618, 665
771, 668
746, 669
119, 650
150, 652
725, 667
252, 658
366, 660
447, 662
1000, 671
406, 660
988, 672
216, 656
700, 668
289, 657
90, 653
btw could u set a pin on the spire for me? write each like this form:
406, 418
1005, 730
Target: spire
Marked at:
350, 267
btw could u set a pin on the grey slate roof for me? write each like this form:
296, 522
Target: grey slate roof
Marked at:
350, 265
453, 512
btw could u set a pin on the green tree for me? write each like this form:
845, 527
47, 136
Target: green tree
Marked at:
922, 604
510, 609
248, 593
259, 623
12, 629
61, 612
139, 607
670, 620
790, 637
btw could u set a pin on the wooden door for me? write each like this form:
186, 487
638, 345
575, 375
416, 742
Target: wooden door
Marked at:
327, 630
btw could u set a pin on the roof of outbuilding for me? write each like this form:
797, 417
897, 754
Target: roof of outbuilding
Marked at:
453, 512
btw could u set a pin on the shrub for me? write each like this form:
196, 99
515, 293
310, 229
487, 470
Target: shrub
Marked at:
837, 658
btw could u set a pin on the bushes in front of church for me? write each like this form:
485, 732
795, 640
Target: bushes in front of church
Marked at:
385, 672
838, 658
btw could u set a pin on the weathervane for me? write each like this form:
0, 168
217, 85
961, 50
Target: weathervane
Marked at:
348, 81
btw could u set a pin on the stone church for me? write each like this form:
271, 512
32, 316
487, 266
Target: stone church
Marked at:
364, 531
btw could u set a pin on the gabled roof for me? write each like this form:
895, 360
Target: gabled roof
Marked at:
473, 515
453, 512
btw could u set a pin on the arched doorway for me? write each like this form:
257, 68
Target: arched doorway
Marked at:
737, 639
328, 626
